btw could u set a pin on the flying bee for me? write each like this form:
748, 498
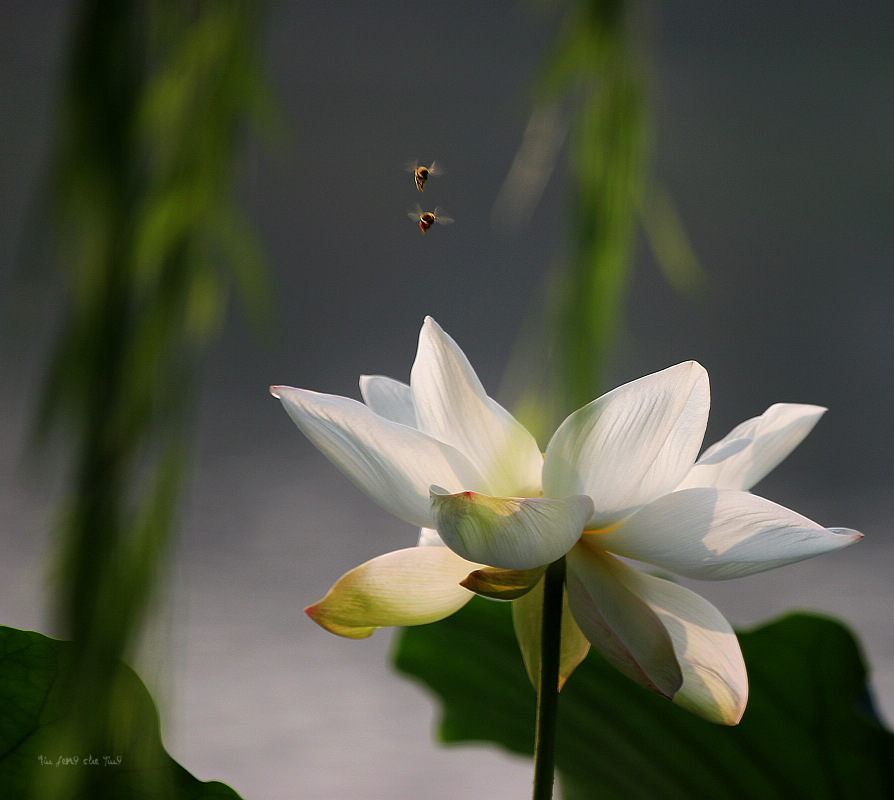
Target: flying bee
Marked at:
428, 218
422, 174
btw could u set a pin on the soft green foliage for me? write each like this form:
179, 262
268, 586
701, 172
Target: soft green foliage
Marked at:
808, 732
148, 244
592, 82
597, 70
596, 61
41, 756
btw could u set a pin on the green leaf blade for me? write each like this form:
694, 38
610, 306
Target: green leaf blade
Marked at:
36, 692
807, 732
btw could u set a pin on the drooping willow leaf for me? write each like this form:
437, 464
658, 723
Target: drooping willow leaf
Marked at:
592, 96
146, 232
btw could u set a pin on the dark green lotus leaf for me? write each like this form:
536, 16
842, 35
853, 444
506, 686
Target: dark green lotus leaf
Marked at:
809, 730
43, 757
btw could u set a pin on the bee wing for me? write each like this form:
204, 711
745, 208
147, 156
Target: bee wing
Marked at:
415, 211
435, 169
441, 216
410, 166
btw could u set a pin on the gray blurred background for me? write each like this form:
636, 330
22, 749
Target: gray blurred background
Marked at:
773, 135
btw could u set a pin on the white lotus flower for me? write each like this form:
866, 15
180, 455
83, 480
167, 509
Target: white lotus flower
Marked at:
619, 478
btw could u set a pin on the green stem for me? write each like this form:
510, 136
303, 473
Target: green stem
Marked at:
548, 691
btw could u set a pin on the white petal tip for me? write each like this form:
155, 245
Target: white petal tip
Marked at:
274, 390
803, 409
847, 533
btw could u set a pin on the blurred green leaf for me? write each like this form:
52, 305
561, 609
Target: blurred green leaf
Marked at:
671, 247
808, 732
150, 245
35, 695
596, 63
592, 90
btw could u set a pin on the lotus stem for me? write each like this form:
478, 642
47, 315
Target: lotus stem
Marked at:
548, 690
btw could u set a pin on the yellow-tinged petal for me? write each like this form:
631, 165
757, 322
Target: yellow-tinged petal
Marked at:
414, 586
503, 584
527, 619
509, 532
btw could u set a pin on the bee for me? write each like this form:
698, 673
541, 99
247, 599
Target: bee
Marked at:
428, 218
422, 174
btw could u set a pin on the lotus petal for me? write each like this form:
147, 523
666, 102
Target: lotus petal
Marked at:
388, 398
507, 532
619, 623
631, 445
393, 464
754, 448
452, 406
715, 534
527, 619
715, 683
414, 586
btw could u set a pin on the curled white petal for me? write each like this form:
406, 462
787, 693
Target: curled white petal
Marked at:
388, 398
509, 532
393, 464
715, 534
619, 623
630, 445
721, 451
754, 448
715, 683
452, 406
